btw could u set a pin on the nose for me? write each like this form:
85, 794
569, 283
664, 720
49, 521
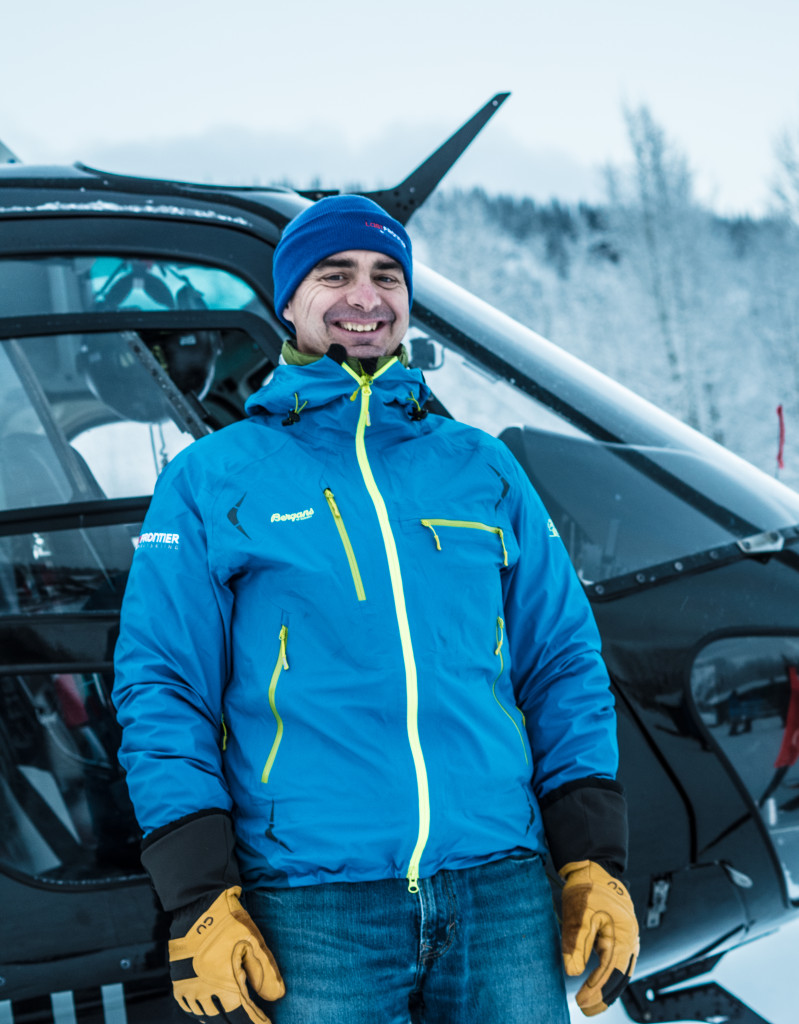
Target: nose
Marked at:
363, 294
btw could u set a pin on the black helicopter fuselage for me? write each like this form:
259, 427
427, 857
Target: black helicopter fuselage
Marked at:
116, 296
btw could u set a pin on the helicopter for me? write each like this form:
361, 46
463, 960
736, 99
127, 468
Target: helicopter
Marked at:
136, 316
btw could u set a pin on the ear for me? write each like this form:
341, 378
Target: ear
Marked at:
287, 313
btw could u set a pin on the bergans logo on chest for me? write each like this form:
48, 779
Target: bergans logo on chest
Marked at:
291, 517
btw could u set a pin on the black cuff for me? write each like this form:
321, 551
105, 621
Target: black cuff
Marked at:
191, 858
587, 820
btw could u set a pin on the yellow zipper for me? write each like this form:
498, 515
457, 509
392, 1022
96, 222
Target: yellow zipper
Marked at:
280, 665
411, 678
431, 524
498, 651
345, 540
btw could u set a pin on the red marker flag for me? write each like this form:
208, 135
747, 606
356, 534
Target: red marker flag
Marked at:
789, 749
781, 445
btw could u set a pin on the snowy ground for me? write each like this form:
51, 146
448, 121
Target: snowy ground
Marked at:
762, 974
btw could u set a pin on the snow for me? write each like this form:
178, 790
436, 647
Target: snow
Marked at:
104, 206
762, 974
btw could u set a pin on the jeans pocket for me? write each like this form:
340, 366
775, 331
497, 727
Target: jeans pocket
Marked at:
524, 857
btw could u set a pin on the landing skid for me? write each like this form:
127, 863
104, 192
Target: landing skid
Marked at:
646, 1002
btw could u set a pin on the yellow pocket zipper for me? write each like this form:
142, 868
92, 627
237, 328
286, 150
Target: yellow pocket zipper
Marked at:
431, 524
280, 665
345, 540
498, 651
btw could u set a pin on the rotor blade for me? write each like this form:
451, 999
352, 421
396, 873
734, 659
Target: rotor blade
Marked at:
6, 156
404, 199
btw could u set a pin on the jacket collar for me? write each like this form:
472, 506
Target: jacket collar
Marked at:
303, 388
291, 354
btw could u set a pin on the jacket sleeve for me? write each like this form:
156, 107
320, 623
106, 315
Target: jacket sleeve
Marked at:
559, 678
172, 660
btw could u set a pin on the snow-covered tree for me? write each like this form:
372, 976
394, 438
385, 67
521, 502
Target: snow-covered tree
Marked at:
785, 186
696, 312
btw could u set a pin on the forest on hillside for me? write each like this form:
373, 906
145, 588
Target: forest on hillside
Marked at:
694, 311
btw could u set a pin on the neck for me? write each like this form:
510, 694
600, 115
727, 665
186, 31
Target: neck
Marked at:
294, 357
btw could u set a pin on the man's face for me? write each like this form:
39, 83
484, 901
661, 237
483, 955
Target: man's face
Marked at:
356, 298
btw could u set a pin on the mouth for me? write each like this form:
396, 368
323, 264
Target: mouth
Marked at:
358, 327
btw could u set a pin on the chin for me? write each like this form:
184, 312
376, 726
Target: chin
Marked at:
365, 350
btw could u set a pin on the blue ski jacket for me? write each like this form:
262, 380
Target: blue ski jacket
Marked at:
357, 629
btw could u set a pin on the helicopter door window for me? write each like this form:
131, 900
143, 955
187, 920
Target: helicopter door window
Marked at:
102, 284
619, 507
63, 802
476, 395
81, 421
746, 692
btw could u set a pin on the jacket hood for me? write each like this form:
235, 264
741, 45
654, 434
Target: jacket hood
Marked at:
310, 387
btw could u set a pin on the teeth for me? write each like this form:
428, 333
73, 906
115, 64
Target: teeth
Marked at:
359, 327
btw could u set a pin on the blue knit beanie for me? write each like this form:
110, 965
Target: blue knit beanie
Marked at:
330, 225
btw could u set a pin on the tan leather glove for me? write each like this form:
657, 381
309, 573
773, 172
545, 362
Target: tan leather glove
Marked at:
216, 958
598, 914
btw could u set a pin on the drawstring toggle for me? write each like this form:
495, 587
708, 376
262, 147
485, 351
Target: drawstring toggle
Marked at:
294, 414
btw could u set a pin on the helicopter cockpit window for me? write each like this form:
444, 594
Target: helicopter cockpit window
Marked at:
57, 394
613, 518
746, 691
75, 431
91, 415
102, 284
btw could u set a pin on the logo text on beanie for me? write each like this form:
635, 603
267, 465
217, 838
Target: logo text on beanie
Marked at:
291, 516
386, 230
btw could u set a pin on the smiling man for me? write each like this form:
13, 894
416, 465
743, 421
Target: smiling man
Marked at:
366, 689
357, 295
357, 299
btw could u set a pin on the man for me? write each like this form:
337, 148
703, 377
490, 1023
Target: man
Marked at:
362, 681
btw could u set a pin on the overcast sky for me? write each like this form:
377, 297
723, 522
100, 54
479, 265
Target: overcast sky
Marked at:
361, 92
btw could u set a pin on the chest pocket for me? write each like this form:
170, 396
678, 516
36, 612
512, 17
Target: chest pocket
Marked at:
346, 544
458, 566
451, 532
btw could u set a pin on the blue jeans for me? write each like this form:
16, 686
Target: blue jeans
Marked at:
476, 946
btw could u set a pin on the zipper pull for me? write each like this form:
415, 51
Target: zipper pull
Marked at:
413, 879
332, 503
284, 632
431, 528
366, 391
500, 635
362, 389
502, 542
